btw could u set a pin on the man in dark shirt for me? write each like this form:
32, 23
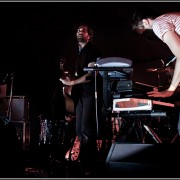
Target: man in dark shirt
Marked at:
86, 120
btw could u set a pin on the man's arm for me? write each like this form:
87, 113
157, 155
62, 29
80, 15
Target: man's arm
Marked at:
82, 79
173, 42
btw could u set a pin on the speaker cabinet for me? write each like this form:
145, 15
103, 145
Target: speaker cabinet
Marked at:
23, 133
143, 160
19, 110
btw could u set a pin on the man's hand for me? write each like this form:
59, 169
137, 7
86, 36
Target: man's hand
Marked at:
66, 81
162, 94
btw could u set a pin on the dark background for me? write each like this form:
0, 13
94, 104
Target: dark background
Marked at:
33, 36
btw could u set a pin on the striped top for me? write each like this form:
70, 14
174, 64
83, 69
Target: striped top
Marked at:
167, 22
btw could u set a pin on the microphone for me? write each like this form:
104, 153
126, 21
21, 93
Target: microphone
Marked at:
172, 60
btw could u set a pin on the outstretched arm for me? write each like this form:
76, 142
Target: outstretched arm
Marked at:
82, 79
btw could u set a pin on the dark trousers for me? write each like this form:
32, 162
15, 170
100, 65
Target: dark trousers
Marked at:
86, 129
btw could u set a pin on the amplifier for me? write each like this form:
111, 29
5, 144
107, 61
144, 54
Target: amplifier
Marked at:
19, 110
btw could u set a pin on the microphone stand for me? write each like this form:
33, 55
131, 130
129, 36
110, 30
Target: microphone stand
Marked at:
96, 103
95, 69
10, 98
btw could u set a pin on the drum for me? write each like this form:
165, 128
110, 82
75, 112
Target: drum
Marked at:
56, 132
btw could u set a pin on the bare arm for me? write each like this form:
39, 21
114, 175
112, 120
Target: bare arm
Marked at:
173, 42
82, 79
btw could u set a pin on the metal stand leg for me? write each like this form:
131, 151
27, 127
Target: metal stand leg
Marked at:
153, 134
136, 127
174, 138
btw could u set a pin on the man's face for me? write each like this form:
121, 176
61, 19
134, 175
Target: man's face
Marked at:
82, 34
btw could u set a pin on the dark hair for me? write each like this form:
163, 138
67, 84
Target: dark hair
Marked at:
142, 13
89, 28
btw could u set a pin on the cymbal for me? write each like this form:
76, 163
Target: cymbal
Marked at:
158, 70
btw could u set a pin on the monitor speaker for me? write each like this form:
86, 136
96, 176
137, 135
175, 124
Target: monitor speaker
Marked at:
143, 160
